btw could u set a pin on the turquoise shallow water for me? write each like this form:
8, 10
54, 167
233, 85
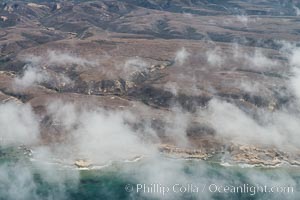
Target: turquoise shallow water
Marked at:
22, 179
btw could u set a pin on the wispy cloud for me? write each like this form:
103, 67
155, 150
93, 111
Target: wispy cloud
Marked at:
181, 56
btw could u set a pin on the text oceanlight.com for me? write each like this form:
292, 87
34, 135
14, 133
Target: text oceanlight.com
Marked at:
156, 188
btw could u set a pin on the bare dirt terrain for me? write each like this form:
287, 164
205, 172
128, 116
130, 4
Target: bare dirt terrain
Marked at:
171, 63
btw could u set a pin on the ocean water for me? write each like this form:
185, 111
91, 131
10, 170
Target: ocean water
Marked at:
149, 178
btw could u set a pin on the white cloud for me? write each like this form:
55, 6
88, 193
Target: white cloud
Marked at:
172, 87
214, 57
260, 60
256, 59
135, 64
98, 135
19, 125
31, 76
252, 87
243, 18
279, 128
19, 181
54, 57
177, 122
294, 61
295, 57
297, 10
181, 56
34, 74
62, 58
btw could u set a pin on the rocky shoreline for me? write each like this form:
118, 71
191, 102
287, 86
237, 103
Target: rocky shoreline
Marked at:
236, 154
233, 155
